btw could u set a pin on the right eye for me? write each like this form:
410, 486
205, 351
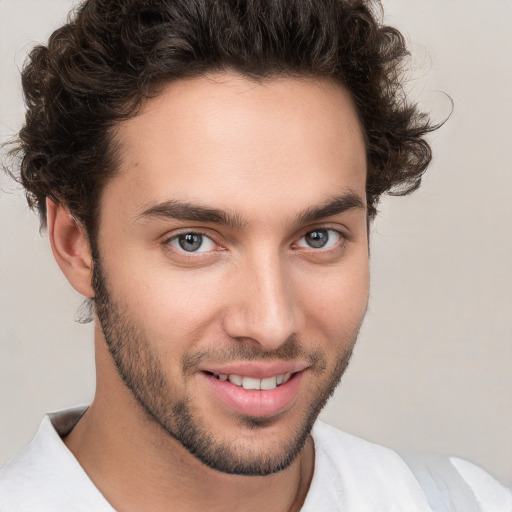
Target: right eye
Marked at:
192, 242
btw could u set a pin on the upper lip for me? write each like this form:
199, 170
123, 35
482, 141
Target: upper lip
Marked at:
255, 370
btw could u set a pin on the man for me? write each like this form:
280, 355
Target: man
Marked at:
207, 172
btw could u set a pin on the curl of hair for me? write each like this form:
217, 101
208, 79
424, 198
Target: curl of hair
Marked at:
97, 69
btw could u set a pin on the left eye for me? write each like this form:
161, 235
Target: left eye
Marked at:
192, 242
320, 239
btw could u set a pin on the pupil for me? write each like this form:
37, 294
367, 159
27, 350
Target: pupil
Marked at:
317, 238
190, 242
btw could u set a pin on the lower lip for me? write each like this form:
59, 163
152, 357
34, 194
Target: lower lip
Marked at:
255, 402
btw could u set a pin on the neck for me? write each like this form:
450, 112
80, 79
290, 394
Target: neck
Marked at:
137, 465
154, 472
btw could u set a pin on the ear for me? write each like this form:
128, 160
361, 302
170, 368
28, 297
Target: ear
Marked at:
70, 246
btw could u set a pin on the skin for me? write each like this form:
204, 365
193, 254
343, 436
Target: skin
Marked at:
265, 153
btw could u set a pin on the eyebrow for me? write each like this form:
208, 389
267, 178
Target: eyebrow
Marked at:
184, 211
334, 206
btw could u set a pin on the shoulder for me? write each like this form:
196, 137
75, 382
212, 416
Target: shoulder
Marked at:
490, 494
358, 475
352, 474
46, 476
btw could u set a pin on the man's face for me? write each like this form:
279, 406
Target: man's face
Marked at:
234, 256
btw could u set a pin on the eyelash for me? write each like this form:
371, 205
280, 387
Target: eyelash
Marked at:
168, 242
340, 242
338, 245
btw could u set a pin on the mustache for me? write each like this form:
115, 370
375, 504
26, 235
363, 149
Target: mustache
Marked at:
290, 350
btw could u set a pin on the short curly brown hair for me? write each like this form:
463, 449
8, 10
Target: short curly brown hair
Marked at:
97, 69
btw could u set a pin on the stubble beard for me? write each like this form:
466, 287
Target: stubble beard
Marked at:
142, 372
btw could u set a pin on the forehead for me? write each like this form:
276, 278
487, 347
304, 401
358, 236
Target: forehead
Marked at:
227, 141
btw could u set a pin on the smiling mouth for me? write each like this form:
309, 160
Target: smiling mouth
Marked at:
255, 391
241, 381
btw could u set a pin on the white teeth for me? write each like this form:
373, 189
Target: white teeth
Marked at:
236, 380
269, 383
250, 383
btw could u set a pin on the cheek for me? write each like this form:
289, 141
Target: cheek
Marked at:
338, 301
180, 308
171, 305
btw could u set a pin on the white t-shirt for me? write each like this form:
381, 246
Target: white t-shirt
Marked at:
351, 475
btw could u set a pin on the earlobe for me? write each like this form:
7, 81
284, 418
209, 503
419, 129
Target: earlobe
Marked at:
70, 247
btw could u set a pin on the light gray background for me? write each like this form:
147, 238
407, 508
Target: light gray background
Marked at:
432, 369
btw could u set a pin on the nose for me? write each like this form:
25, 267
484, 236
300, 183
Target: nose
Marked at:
263, 306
